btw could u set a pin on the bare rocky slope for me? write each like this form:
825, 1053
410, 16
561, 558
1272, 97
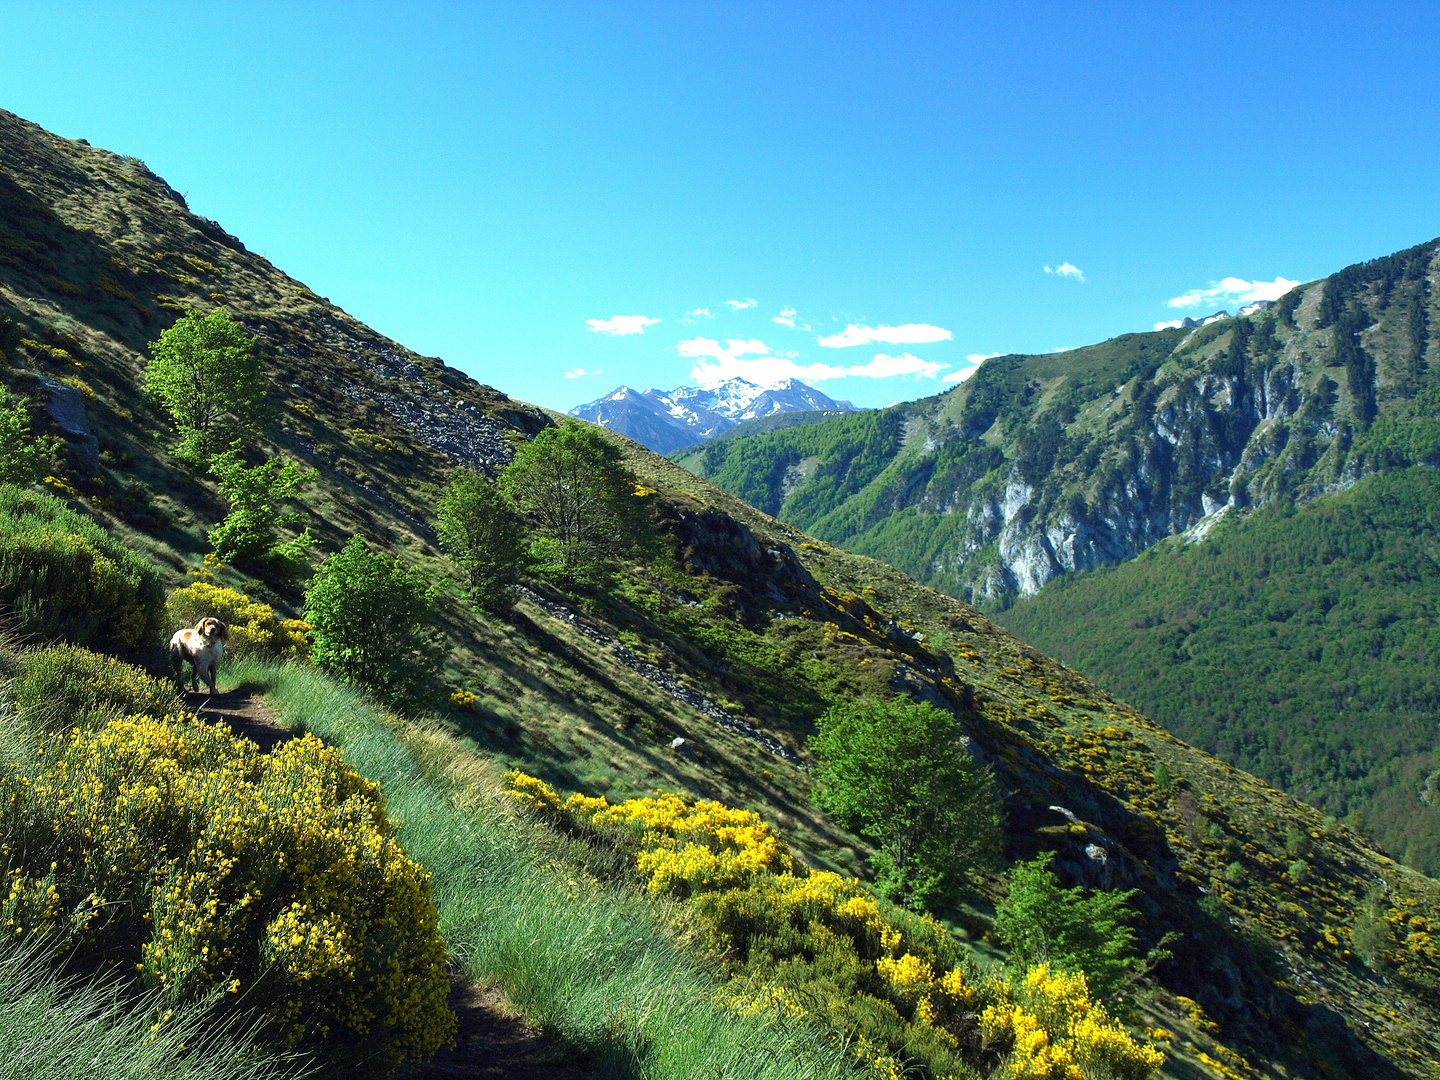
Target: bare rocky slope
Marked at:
733, 638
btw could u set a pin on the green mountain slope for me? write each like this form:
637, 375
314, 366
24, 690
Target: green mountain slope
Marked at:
733, 637
1038, 466
1299, 643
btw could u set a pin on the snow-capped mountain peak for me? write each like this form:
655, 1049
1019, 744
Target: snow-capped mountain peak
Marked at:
666, 420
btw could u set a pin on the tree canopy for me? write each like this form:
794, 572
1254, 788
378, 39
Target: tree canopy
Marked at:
897, 772
250, 534
204, 371
480, 530
572, 484
373, 619
23, 456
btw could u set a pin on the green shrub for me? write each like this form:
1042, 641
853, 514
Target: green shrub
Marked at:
67, 686
174, 850
373, 619
64, 578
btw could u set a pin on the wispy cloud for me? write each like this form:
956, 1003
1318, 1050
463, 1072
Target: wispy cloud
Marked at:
972, 365
740, 305
1066, 269
786, 317
1234, 290
580, 373
620, 325
754, 361
1173, 324
695, 316
909, 334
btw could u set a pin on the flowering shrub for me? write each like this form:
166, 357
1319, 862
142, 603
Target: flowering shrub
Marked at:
69, 686
254, 627
180, 852
811, 943
1058, 1032
62, 577
463, 699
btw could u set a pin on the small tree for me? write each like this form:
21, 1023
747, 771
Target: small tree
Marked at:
483, 534
205, 373
896, 772
250, 534
1072, 929
372, 618
572, 484
23, 456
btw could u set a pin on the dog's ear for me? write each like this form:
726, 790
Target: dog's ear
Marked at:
222, 631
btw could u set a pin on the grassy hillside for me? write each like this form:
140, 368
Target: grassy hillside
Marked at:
1299, 643
734, 635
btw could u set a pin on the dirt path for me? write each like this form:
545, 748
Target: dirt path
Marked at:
490, 1044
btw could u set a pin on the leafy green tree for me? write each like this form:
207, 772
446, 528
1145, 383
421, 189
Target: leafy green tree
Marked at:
373, 621
250, 534
204, 371
896, 772
1072, 929
572, 484
23, 456
480, 530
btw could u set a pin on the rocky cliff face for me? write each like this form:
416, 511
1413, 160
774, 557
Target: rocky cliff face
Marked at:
1045, 465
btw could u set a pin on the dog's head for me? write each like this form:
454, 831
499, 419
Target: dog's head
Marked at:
211, 628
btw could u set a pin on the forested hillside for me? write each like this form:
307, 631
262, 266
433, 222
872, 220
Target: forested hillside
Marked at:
700, 656
1038, 466
1299, 643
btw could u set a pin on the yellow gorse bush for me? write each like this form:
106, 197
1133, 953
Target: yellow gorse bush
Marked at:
1059, 1032
253, 626
205, 864
791, 935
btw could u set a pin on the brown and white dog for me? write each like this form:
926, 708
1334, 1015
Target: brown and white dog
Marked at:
202, 647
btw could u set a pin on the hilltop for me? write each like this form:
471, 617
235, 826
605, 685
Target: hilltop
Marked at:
733, 640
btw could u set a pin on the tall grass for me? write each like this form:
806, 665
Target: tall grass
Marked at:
57, 1029
592, 964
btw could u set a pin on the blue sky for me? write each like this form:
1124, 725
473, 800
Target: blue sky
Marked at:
496, 183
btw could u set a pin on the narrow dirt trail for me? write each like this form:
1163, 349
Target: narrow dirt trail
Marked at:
490, 1043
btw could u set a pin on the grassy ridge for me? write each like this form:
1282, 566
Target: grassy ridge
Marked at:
1300, 644
590, 963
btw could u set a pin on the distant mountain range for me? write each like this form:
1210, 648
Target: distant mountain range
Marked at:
666, 420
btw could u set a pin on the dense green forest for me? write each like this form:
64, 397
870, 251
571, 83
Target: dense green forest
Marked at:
1299, 644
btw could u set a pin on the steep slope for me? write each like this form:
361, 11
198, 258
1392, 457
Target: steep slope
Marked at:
733, 638
1042, 465
1299, 643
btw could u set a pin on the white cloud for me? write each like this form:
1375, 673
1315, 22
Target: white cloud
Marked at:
972, 362
909, 334
579, 373
1173, 324
753, 361
786, 317
620, 325
1066, 269
1234, 290
696, 315
740, 305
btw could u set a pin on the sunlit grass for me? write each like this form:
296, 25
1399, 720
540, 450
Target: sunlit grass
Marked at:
590, 963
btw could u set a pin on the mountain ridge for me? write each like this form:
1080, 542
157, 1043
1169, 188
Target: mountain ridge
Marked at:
666, 420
